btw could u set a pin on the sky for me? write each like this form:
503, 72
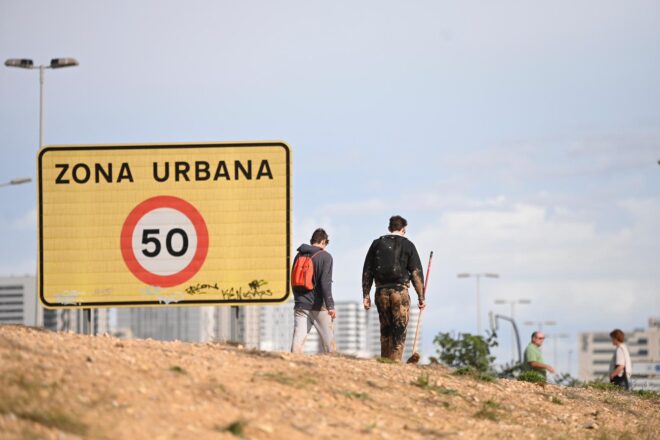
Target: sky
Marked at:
519, 138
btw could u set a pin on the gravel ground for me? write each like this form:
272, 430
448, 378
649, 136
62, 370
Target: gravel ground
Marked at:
64, 385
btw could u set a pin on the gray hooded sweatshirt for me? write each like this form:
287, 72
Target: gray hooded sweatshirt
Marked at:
321, 295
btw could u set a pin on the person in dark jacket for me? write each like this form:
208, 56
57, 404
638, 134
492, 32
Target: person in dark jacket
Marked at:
393, 263
315, 307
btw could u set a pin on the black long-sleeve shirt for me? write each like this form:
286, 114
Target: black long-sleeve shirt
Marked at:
409, 261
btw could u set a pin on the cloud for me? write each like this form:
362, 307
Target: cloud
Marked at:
27, 221
576, 273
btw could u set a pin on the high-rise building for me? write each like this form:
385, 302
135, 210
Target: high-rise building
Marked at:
18, 305
75, 320
351, 328
192, 324
18, 300
276, 327
596, 351
241, 325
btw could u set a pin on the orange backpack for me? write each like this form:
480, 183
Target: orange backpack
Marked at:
302, 274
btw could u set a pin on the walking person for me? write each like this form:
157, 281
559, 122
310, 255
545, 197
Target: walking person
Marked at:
311, 281
392, 262
533, 356
620, 365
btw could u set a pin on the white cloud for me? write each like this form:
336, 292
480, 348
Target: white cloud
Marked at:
27, 221
576, 273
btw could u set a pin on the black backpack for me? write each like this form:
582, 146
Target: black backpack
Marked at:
387, 260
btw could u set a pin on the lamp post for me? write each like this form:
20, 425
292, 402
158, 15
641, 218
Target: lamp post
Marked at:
478, 276
17, 181
55, 63
513, 303
539, 324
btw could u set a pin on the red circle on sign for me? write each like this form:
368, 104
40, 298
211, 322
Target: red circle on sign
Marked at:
126, 239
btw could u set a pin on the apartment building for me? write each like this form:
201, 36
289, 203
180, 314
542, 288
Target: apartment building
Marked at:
18, 300
596, 350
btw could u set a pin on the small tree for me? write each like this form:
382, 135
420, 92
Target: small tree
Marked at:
466, 350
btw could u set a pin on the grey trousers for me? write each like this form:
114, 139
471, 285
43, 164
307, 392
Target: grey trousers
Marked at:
302, 324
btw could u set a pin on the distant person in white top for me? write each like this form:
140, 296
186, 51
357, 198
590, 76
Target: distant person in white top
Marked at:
620, 366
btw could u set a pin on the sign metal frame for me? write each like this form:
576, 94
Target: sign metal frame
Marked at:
160, 146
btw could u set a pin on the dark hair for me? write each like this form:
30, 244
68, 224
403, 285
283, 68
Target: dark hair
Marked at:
318, 236
397, 223
618, 335
534, 334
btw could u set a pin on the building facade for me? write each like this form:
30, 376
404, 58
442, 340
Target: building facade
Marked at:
75, 320
596, 351
18, 300
276, 327
351, 328
191, 324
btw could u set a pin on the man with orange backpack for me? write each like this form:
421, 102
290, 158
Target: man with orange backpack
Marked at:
311, 281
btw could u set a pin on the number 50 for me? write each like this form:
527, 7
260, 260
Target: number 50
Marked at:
148, 237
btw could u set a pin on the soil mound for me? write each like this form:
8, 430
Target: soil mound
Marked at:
63, 385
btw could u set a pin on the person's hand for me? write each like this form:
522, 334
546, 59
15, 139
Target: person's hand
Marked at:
422, 305
366, 302
332, 313
550, 369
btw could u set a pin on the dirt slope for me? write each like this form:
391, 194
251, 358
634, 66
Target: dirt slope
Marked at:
57, 385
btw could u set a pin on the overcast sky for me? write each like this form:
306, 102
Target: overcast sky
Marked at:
516, 137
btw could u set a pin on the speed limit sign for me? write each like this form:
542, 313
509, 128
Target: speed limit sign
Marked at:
164, 241
164, 224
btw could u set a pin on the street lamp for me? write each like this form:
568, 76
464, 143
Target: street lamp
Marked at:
478, 276
17, 181
513, 303
539, 324
55, 63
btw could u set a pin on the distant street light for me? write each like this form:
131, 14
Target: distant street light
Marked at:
55, 63
513, 303
17, 181
539, 324
478, 276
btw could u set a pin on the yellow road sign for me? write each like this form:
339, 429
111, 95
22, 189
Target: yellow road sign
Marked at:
164, 224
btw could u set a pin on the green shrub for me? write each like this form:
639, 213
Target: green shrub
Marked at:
237, 428
532, 376
466, 350
177, 369
567, 380
648, 394
423, 381
600, 384
355, 395
489, 411
484, 376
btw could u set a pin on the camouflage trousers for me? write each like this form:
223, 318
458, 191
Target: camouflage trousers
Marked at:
393, 306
